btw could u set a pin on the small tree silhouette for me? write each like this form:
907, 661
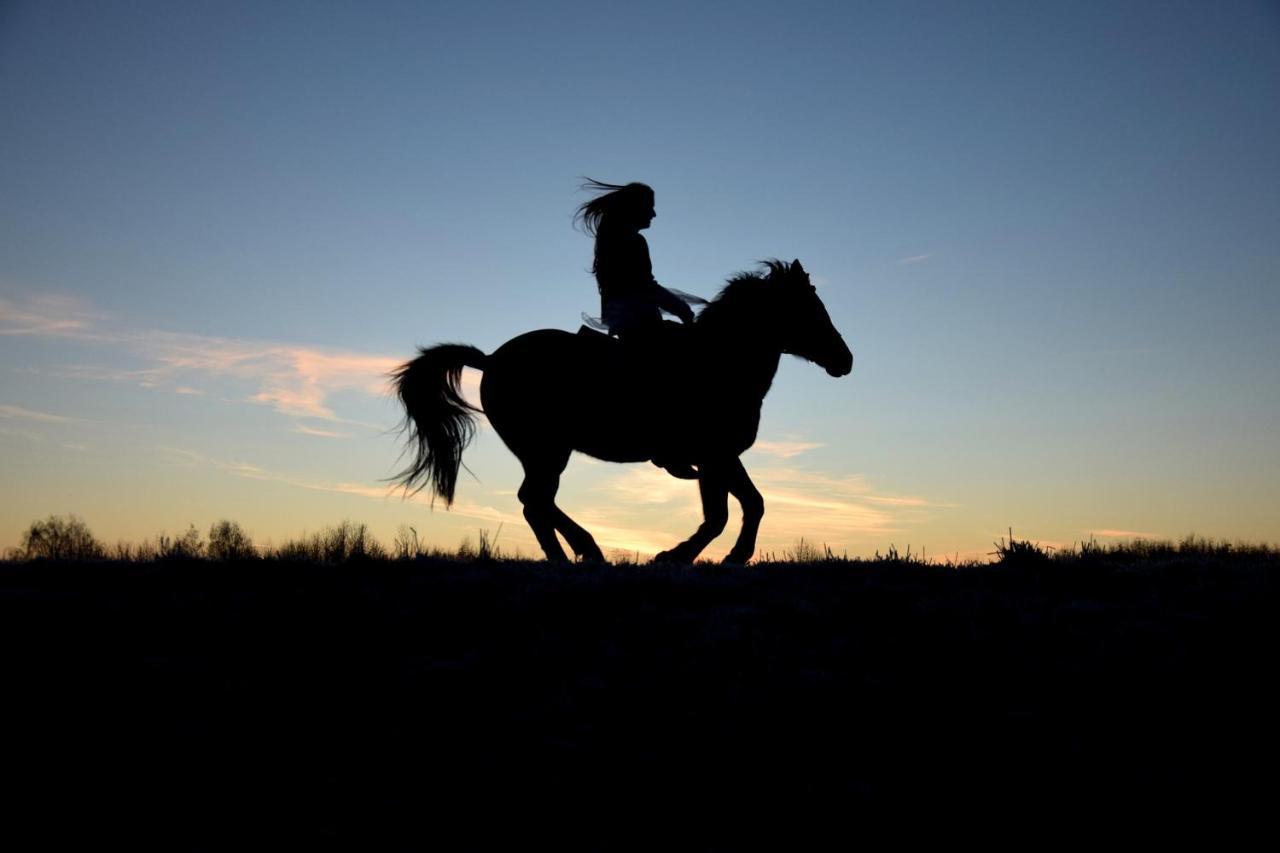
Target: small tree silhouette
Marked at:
61, 538
348, 541
228, 541
188, 546
406, 545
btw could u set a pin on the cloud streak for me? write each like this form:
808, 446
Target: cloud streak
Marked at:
784, 449
295, 380
841, 511
365, 490
45, 315
18, 413
303, 429
1111, 533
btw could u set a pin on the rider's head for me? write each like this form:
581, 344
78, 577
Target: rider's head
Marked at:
626, 206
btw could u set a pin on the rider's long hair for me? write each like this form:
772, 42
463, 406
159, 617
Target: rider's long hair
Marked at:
616, 201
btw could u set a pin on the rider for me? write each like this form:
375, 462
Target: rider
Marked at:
631, 300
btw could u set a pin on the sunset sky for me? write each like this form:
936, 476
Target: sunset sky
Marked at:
1050, 233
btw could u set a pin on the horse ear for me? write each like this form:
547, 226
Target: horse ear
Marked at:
795, 266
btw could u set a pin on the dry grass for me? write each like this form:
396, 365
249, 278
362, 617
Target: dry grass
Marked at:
68, 538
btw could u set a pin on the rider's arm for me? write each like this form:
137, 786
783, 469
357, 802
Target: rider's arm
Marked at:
672, 304
665, 299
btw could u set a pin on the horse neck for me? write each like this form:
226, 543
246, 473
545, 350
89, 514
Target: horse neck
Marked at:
741, 355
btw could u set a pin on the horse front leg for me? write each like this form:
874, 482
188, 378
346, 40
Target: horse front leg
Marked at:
746, 493
715, 515
582, 542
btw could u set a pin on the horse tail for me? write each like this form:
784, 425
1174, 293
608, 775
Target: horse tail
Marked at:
439, 421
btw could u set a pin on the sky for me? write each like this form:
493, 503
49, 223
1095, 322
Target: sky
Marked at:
1049, 232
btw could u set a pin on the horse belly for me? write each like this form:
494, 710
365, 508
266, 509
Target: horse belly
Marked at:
610, 436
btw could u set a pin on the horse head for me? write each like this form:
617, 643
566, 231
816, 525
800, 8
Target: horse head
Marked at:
802, 320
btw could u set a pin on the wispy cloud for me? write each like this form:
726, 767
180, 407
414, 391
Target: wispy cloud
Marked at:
365, 490
784, 449
915, 259
835, 509
43, 314
294, 379
648, 484
612, 533
27, 434
31, 421
1109, 533
322, 433
18, 413
841, 511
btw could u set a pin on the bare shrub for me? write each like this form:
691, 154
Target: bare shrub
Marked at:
188, 546
406, 545
61, 538
347, 541
488, 549
146, 551
228, 541
807, 552
305, 549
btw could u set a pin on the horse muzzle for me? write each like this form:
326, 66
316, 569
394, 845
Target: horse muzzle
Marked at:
841, 364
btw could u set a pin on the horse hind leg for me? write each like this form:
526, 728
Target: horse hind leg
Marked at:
715, 515
538, 494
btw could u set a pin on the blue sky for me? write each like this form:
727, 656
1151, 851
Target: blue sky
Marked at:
1050, 233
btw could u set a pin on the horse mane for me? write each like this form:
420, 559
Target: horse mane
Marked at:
741, 294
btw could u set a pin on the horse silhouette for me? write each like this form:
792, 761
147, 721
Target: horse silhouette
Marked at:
691, 395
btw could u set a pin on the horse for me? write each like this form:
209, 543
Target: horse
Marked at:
689, 397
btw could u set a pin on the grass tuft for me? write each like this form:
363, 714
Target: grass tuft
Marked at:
1021, 552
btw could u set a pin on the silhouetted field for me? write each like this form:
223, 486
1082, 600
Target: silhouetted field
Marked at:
382, 697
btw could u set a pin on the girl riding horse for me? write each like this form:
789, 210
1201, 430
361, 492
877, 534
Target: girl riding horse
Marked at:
631, 300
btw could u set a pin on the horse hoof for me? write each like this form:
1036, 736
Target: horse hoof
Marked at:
670, 558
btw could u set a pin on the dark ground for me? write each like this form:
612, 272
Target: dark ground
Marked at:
394, 700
